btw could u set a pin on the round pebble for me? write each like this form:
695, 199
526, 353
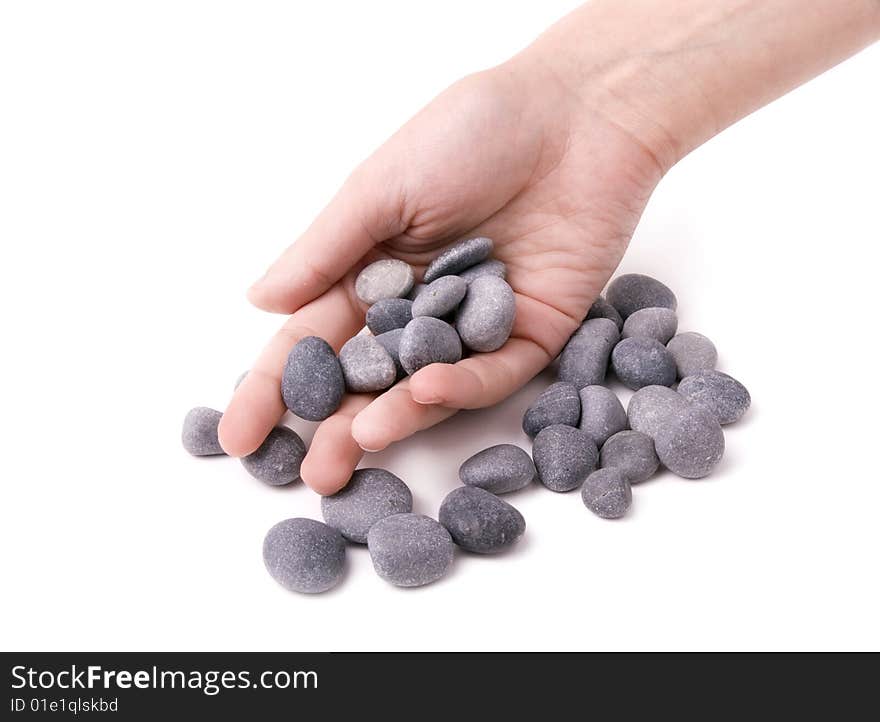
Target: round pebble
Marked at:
410, 550
602, 309
459, 257
199, 434
722, 395
390, 341
440, 297
632, 452
693, 352
388, 314
485, 318
633, 291
479, 521
428, 340
388, 278
691, 443
278, 459
640, 361
607, 493
602, 414
559, 403
499, 469
657, 323
370, 495
584, 360
564, 457
312, 384
490, 267
652, 406
304, 555
366, 365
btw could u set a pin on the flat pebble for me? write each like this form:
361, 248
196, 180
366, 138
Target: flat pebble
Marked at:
640, 361
388, 278
479, 521
693, 352
653, 406
278, 459
410, 550
690, 444
366, 365
370, 495
602, 414
388, 314
390, 341
584, 360
485, 318
459, 257
304, 555
607, 493
491, 267
312, 384
657, 323
428, 340
602, 309
722, 395
499, 469
564, 457
199, 434
633, 291
633, 453
440, 297
559, 403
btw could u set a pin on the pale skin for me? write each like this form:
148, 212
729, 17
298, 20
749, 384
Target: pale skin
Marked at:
552, 154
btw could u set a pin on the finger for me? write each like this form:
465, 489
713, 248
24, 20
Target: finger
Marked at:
257, 405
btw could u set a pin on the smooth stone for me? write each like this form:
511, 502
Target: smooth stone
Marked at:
370, 495
479, 521
416, 291
653, 406
240, 379
490, 267
633, 453
640, 361
388, 278
564, 457
388, 314
485, 318
410, 550
693, 352
722, 395
499, 469
312, 384
278, 459
657, 323
427, 340
607, 493
199, 435
304, 555
366, 365
690, 444
440, 297
633, 291
602, 414
584, 360
559, 403
459, 257
390, 341
602, 309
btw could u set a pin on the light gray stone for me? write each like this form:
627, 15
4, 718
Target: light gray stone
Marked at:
428, 340
370, 495
499, 469
459, 257
388, 278
312, 384
657, 323
278, 459
633, 291
607, 493
691, 443
564, 457
304, 555
602, 414
653, 406
641, 361
390, 341
633, 453
479, 521
722, 395
485, 318
491, 267
584, 360
388, 314
693, 353
410, 550
440, 297
366, 365
559, 403
199, 435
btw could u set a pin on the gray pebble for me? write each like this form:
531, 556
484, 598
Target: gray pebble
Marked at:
498, 469
388, 314
602, 414
390, 341
633, 453
388, 278
312, 384
584, 360
304, 555
641, 361
491, 267
240, 379
559, 403
199, 434
459, 257
479, 521
690, 444
410, 550
564, 457
370, 495
633, 291
693, 353
602, 309
657, 323
440, 297
607, 493
653, 406
366, 365
278, 459
485, 318
428, 340
722, 395
416, 291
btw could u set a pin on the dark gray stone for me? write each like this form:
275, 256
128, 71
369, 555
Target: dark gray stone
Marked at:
366, 365
390, 341
653, 406
491, 267
607, 493
499, 469
657, 323
304, 555
633, 453
584, 360
370, 495
428, 340
564, 457
278, 459
602, 309
693, 352
388, 314
199, 434
633, 291
410, 550
479, 521
459, 257
312, 384
722, 395
559, 403
642, 362
485, 318
388, 278
602, 414
440, 297
691, 443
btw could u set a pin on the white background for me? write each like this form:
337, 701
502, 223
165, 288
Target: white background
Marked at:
154, 157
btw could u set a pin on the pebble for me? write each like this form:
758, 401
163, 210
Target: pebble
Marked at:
633, 453
388, 278
312, 384
499, 469
485, 318
584, 360
607, 493
722, 395
641, 361
633, 291
693, 352
458, 258
366, 365
479, 521
428, 340
602, 309
491, 267
657, 323
390, 341
416, 291
370, 495
440, 297
652, 406
602, 414
199, 434
691, 443
388, 314
410, 550
564, 457
304, 555
559, 403
278, 459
